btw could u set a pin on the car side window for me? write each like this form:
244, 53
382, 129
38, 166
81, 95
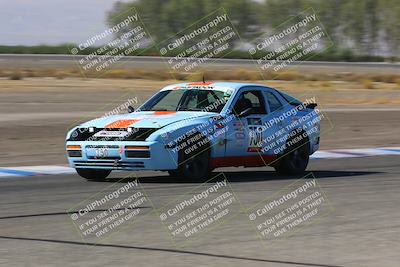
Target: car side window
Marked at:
273, 102
250, 99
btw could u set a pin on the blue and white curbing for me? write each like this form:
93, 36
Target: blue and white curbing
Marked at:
35, 170
323, 154
355, 152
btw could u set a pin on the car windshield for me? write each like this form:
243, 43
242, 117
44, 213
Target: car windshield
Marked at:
187, 100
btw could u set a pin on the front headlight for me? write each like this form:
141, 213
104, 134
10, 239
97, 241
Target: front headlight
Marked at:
80, 134
69, 134
75, 134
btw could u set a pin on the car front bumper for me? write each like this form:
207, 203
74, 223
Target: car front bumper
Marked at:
120, 155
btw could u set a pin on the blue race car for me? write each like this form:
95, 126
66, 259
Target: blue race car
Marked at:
189, 129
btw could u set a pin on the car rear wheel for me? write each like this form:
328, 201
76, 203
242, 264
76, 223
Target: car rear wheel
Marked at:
295, 159
93, 174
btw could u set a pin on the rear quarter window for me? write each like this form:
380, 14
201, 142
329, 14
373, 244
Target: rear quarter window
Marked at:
273, 102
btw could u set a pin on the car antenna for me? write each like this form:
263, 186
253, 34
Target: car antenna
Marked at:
203, 79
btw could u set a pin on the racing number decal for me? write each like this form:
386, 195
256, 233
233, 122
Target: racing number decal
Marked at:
255, 139
255, 135
101, 152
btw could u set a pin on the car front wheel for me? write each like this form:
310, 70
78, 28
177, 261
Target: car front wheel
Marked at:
194, 166
93, 174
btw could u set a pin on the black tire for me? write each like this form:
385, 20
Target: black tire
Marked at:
295, 158
194, 166
93, 174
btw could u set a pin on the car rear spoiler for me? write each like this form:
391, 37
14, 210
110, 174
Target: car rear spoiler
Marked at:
311, 105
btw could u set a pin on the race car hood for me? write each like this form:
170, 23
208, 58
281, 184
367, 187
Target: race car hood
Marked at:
145, 119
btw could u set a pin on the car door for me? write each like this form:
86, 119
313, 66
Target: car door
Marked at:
245, 135
275, 136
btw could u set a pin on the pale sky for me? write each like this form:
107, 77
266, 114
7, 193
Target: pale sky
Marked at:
33, 22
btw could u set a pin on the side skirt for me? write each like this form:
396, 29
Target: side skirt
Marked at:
245, 161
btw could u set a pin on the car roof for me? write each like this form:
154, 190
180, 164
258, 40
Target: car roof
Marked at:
212, 85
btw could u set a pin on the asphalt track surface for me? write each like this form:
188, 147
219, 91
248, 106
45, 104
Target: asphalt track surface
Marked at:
361, 230
146, 62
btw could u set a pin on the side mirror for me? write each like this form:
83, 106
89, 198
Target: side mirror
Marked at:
130, 109
245, 112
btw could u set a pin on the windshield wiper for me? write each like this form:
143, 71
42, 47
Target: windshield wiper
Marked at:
190, 109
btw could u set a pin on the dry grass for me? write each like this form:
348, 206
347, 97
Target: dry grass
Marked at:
338, 92
326, 84
367, 83
398, 82
16, 75
366, 80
